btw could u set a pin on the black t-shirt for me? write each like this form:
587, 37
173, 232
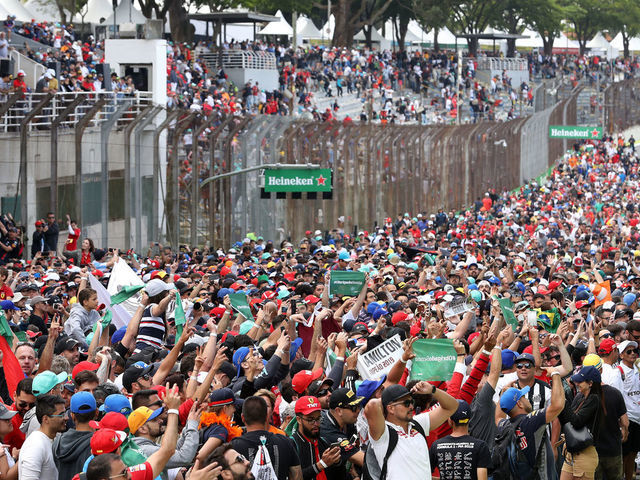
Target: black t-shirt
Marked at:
459, 457
282, 450
331, 433
38, 322
608, 441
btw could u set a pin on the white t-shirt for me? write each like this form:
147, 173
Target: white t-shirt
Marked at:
410, 458
631, 392
36, 458
611, 376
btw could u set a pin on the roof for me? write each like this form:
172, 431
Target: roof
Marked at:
234, 17
491, 36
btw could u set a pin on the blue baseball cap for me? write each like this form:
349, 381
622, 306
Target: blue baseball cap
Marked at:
238, 357
508, 358
509, 398
295, 345
380, 312
344, 255
587, 374
526, 357
368, 387
8, 305
628, 299
83, 402
495, 280
116, 403
118, 335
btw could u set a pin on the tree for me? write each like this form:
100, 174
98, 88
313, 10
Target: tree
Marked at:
545, 17
473, 17
625, 18
400, 12
588, 17
512, 21
432, 14
351, 15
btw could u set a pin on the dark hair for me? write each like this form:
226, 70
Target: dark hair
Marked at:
46, 405
255, 411
103, 391
85, 376
92, 247
187, 364
175, 379
288, 393
633, 325
218, 456
24, 385
85, 295
141, 398
84, 417
100, 466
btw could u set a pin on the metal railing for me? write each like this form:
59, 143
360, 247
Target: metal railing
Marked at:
241, 59
493, 63
10, 122
32, 69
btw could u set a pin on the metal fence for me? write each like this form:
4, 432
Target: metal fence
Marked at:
139, 168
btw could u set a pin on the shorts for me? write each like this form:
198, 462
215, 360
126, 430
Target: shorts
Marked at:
582, 464
632, 445
609, 468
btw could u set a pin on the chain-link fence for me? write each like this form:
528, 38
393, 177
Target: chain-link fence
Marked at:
132, 173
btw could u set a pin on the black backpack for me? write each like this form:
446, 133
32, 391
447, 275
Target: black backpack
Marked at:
507, 459
393, 441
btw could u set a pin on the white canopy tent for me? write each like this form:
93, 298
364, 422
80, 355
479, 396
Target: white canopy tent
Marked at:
375, 36
534, 40
446, 38
328, 28
634, 43
306, 30
96, 9
600, 45
389, 34
486, 42
14, 7
423, 37
126, 12
43, 11
3, 12
281, 27
561, 43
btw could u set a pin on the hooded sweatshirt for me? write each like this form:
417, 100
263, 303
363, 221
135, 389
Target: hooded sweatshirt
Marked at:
80, 320
70, 450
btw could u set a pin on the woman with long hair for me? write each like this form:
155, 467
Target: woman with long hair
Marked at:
586, 411
84, 255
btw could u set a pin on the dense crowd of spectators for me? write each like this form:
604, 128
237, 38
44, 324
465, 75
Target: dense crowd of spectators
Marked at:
143, 364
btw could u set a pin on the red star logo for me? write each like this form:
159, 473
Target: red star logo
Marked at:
321, 180
594, 133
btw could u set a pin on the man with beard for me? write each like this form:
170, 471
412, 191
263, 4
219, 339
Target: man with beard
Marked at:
147, 425
317, 458
235, 466
25, 401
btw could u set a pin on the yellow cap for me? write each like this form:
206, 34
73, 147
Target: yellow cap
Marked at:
140, 416
592, 360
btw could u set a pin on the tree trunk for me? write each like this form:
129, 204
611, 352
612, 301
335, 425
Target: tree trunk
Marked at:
343, 32
511, 47
181, 28
368, 32
625, 45
473, 46
583, 46
401, 31
436, 45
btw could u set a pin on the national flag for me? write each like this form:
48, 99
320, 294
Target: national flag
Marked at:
12, 371
601, 293
125, 294
506, 306
179, 316
549, 319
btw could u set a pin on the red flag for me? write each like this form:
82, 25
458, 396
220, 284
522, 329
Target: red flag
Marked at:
12, 371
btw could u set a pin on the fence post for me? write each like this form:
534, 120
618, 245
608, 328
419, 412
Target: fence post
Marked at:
173, 201
213, 141
195, 178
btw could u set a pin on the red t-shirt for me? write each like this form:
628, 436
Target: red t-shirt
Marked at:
72, 240
5, 292
141, 472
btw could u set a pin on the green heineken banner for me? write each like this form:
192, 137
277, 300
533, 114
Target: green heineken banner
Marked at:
346, 283
435, 359
566, 131
297, 180
506, 305
240, 305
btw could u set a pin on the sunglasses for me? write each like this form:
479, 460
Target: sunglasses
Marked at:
122, 474
239, 459
631, 350
26, 405
408, 403
605, 335
555, 357
322, 393
524, 365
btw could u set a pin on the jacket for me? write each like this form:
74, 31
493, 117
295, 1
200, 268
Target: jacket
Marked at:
70, 450
79, 321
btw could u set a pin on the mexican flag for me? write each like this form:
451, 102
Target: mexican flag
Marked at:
12, 371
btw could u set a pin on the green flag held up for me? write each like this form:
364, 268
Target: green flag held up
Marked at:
179, 316
435, 359
241, 305
346, 283
506, 306
125, 294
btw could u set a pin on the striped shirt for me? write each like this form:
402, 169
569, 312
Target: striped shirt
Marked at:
151, 331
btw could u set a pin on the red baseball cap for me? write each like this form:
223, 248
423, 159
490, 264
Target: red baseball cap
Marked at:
85, 365
306, 405
106, 441
112, 420
606, 346
312, 299
398, 317
301, 380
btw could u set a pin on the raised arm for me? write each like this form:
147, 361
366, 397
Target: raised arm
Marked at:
160, 458
375, 418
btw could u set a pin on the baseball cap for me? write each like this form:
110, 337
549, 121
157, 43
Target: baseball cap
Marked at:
83, 402
222, 396
462, 414
140, 416
44, 382
528, 357
228, 369
8, 305
156, 286
344, 398
106, 441
84, 365
587, 374
393, 393
368, 387
116, 403
66, 343
238, 357
317, 385
306, 405
508, 358
509, 398
606, 346
133, 373
113, 420
301, 380
5, 413
592, 360
622, 346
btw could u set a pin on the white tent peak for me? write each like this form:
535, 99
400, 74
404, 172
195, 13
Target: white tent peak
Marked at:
281, 27
15, 7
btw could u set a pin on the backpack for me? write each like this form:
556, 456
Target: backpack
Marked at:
371, 470
505, 448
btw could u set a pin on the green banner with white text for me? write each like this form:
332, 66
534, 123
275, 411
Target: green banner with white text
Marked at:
297, 180
434, 361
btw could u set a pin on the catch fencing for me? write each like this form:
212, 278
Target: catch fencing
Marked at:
131, 172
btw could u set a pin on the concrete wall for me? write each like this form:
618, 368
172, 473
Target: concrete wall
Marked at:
268, 79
